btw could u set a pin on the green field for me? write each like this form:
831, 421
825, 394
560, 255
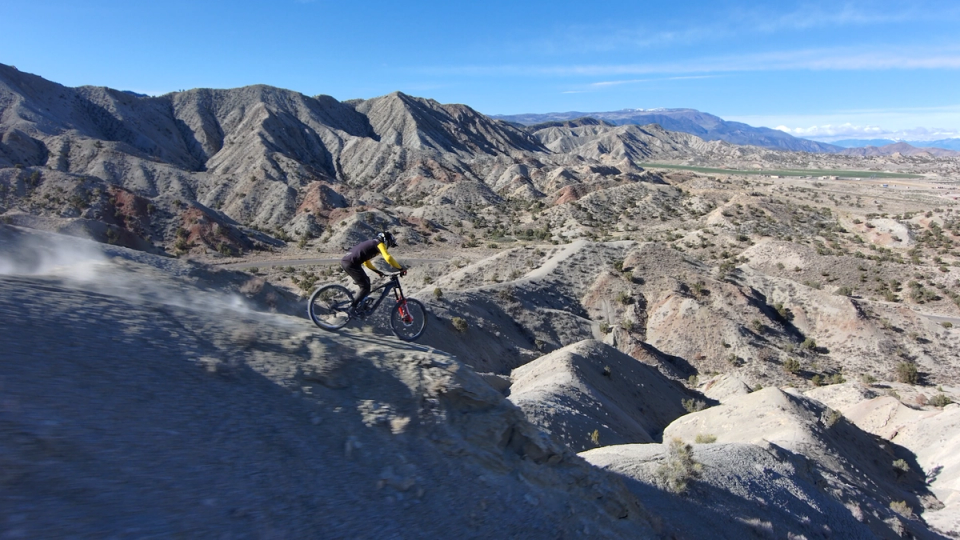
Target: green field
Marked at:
785, 172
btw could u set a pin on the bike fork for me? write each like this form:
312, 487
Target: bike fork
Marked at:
404, 312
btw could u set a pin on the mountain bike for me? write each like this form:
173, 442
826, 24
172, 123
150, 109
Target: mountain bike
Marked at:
329, 308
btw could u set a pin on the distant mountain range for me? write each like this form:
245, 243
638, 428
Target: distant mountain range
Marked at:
713, 128
947, 144
205, 163
901, 148
704, 125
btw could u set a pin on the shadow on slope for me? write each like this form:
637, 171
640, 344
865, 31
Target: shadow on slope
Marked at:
140, 416
591, 386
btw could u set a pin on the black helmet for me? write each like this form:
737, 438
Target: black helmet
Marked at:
387, 238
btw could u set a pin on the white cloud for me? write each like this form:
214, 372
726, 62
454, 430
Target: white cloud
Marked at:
831, 14
728, 22
821, 59
828, 133
603, 84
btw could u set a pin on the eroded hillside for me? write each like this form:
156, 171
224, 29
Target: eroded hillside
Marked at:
148, 398
621, 285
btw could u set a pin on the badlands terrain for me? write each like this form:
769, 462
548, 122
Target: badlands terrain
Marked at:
633, 332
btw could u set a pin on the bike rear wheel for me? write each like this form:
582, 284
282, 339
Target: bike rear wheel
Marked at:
329, 307
408, 319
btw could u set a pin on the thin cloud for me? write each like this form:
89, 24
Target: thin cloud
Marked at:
603, 84
812, 16
823, 59
731, 22
829, 133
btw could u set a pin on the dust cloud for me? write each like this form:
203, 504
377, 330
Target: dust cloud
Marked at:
134, 276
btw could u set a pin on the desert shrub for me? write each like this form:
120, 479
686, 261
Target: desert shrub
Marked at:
618, 265
679, 468
624, 298
831, 417
705, 439
693, 405
940, 400
901, 467
595, 437
816, 380
907, 373
437, 293
307, 283
507, 294
836, 378
605, 327
757, 326
627, 325
113, 237
902, 508
844, 291
868, 379
946, 324
459, 323
808, 344
698, 288
791, 365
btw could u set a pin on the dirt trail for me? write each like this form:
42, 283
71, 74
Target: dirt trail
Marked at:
147, 415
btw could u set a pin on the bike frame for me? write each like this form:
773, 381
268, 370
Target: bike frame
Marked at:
392, 285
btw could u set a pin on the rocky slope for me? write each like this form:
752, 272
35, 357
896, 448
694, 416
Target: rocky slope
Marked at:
703, 125
141, 397
544, 256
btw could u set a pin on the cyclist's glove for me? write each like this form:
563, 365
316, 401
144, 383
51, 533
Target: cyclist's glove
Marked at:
403, 272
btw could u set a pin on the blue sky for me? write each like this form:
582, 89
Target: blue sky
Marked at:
818, 69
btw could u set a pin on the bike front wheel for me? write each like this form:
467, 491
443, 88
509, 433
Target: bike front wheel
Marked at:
329, 307
408, 319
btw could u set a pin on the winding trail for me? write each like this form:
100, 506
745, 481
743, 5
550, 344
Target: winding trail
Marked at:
303, 262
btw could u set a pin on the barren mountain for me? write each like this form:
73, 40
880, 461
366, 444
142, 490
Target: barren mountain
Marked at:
159, 401
900, 148
614, 282
704, 125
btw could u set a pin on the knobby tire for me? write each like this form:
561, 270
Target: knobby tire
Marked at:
328, 307
408, 319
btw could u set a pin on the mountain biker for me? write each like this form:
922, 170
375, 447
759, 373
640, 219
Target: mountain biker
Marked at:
361, 254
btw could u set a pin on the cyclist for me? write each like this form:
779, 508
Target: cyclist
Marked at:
360, 255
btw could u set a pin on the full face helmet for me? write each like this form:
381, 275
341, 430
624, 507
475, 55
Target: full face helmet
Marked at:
387, 238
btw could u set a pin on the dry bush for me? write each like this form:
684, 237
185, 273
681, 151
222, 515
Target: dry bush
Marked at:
907, 373
902, 508
679, 468
940, 401
791, 365
693, 405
